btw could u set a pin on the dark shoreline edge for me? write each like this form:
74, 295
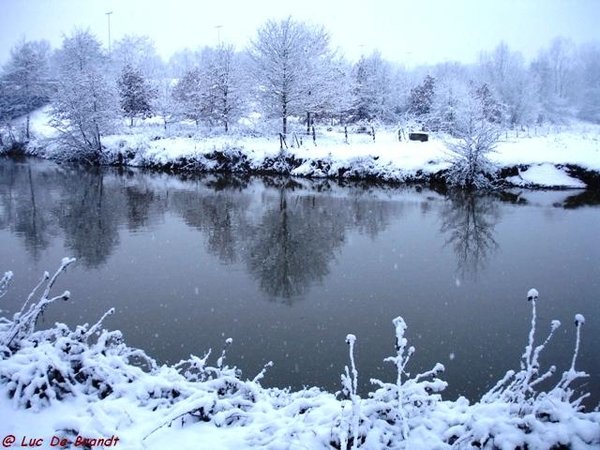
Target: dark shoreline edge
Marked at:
236, 161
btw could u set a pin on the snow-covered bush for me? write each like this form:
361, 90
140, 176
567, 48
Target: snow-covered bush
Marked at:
525, 415
39, 367
470, 166
405, 400
147, 405
393, 410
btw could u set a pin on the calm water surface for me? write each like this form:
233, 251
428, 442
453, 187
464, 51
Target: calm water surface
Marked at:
288, 268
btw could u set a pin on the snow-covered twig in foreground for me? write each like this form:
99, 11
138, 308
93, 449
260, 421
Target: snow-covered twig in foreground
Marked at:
4, 282
24, 322
349, 389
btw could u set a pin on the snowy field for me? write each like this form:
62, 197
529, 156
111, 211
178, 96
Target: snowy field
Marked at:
67, 388
541, 153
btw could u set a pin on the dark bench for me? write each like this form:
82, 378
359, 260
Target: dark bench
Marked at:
418, 136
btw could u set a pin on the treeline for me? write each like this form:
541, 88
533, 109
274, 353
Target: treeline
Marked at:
289, 70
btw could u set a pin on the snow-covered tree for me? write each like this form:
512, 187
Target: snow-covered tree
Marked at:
223, 80
183, 61
421, 98
458, 101
85, 105
138, 52
136, 94
326, 93
341, 95
474, 138
469, 153
491, 109
372, 90
588, 95
448, 106
554, 70
165, 105
288, 58
505, 72
25, 80
190, 94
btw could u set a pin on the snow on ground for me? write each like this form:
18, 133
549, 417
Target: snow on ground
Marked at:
577, 144
545, 175
385, 158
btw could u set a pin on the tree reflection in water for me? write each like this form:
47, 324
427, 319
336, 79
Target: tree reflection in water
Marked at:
90, 215
286, 233
26, 204
286, 236
469, 220
292, 245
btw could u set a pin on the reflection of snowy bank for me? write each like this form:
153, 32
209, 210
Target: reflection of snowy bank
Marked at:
88, 382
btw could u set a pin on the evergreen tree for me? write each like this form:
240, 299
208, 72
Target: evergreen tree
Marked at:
136, 94
421, 97
372, 91
491, 109
421, 103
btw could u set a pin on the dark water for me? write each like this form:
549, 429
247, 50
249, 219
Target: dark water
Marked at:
289, 268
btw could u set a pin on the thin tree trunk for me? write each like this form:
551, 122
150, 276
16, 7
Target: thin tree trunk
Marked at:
284, 115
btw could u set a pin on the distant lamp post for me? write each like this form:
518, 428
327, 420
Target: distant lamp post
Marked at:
362, 50
108, 17
218, 27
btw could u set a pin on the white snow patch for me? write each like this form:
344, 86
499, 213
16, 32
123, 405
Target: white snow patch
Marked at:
546, 175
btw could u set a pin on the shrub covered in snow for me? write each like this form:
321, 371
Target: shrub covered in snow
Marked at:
471, 166
114, 389
40, 367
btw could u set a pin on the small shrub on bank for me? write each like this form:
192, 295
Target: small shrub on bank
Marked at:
470, 166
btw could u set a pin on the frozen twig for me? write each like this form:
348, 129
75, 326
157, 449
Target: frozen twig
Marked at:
221, 359
261, 374
579, 321
98, 324
24, 322
4, 282
350, 340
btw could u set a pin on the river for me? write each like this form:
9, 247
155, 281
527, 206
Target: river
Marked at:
288, 267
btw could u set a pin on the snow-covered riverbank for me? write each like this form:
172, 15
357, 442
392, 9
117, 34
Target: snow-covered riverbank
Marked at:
557, 157
62, 387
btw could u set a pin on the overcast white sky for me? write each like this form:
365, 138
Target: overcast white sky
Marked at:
410, 31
